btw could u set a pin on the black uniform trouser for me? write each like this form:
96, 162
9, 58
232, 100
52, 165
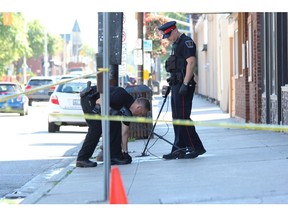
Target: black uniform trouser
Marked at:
186, 137
115, 139
91, 140
94, 133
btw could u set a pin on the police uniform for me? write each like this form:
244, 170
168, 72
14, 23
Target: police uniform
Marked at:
119, 99
187, 143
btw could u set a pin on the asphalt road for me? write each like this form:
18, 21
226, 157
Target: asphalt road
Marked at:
30, 155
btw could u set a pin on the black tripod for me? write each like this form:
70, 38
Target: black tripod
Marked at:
168, 88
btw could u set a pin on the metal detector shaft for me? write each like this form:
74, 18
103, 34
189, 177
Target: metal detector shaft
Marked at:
161, 137
152, 131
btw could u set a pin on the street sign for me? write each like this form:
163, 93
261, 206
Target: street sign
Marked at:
147, 45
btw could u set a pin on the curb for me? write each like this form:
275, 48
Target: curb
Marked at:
35, 196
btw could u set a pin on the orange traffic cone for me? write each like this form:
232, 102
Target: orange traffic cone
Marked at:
117, 191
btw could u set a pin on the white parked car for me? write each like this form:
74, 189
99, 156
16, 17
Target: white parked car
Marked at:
66, 100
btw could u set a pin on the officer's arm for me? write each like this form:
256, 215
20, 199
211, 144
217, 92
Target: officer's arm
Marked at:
99, 101
191, 62
125, 136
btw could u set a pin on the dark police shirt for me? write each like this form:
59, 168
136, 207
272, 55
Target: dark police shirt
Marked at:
119, 98
184, 47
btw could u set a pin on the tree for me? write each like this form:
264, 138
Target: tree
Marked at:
152, 22
13, 42
36, 36
55, 44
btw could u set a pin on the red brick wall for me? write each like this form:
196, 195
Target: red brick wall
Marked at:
255, 85
36, 65
248, 94
241, 83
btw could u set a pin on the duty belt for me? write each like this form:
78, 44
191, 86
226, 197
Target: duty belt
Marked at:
175, 78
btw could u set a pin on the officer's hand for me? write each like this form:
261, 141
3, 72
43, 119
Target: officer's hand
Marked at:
114, 112
97, 109
86, 90
183, 90
125, 112
169, 81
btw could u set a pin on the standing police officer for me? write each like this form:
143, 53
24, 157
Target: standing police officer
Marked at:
180, 65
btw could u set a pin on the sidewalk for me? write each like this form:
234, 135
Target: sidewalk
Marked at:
240, 166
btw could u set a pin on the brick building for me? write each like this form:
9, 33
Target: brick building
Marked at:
244, 65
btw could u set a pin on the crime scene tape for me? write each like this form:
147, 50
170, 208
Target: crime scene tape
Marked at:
248, 126
101, 70
5, 98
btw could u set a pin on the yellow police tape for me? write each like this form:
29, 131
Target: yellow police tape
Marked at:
5, 98
248, 126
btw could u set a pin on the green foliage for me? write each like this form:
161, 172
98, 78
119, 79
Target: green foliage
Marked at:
88, 51
36, 35
152, 22
13, 41
55, 44
18, 40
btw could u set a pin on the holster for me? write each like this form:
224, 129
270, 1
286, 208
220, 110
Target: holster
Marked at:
88, 99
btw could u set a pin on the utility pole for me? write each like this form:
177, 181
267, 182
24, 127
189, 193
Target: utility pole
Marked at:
140, 37
105, 95
115, 42
46, 63
24, 65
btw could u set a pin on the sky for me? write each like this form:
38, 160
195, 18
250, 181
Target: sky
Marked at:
58, 16
63, 22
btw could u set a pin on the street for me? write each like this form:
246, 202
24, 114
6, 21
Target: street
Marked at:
29, 152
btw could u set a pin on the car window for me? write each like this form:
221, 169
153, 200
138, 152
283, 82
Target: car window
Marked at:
40, 82
71, 87
7, 88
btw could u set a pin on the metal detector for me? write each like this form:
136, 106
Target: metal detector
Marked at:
165, 93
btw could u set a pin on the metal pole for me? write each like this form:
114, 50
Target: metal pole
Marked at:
46, 64
140, 36
105, 104
24, 59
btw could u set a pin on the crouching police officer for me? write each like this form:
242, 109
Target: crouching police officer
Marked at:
121, 103
180, 65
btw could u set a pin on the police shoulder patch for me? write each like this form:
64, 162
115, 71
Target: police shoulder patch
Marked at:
189, 43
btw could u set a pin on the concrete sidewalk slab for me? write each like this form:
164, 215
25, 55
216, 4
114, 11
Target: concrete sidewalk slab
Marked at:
240, 167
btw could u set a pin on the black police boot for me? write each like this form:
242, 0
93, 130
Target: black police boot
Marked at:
127, 157
86, 163
194, 154
174, 155
119, 161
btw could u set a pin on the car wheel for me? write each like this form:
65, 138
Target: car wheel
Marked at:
52, 128
30, 102
22, 111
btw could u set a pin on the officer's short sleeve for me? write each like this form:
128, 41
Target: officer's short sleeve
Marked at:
189, 48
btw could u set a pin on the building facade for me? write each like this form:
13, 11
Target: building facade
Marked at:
242, 64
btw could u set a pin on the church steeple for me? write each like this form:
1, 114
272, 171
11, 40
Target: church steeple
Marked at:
76, 27
76, 41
